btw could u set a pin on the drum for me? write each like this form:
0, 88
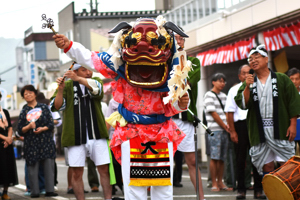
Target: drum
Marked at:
284, 182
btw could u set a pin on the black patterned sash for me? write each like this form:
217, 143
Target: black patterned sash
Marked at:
275, 108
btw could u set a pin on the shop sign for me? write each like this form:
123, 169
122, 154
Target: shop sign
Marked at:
33, 74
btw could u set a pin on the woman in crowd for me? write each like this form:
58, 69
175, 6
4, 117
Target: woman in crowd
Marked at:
39, 147
8, 169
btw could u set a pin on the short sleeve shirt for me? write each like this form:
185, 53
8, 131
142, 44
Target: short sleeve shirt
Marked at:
212, 104
231, 106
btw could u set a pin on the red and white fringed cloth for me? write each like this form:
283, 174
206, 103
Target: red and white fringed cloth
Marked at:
149, 163
282, 37
228, 53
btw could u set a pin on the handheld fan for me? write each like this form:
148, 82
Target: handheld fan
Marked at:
34, 115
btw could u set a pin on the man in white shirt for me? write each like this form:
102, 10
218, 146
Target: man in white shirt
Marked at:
236, 119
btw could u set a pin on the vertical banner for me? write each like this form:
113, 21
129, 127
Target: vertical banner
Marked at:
33, 74
20, 67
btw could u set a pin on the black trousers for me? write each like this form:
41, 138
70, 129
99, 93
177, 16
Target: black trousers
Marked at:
241, 151
118, 172
177, 175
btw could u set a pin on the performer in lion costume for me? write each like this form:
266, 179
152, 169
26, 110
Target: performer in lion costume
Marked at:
142, 60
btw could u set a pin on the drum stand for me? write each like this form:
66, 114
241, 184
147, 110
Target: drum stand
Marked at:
208, 131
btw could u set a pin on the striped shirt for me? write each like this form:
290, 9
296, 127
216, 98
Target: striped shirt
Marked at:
212, 104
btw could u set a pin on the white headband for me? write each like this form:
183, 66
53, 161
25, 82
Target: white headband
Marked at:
258, 50
76, 66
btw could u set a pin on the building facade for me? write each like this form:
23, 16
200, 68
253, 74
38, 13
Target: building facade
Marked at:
221, 33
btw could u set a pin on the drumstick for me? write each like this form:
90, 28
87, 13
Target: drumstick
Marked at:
64, 76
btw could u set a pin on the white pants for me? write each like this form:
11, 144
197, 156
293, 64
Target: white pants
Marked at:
97, 150
188, 143
140, 193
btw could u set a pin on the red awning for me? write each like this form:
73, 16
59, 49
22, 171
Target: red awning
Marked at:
282, 37
228, 53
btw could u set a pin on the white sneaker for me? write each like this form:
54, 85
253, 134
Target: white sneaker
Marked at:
55, 188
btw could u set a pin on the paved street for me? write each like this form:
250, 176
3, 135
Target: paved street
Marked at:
186, 192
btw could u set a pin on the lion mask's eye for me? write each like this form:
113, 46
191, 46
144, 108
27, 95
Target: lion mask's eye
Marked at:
161, 41
151, 37
132, 38
135, 38
154, 41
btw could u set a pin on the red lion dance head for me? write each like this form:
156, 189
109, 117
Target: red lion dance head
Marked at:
147, 48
